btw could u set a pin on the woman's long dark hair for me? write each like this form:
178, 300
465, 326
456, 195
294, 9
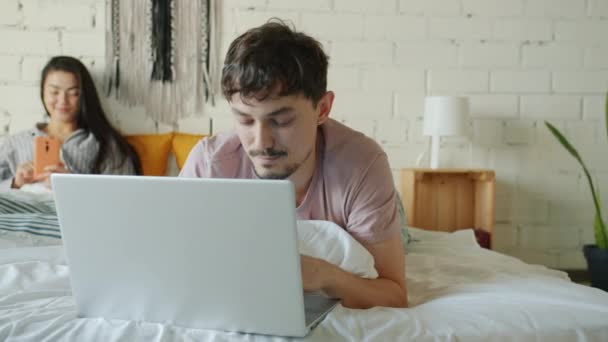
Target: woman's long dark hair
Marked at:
91, 116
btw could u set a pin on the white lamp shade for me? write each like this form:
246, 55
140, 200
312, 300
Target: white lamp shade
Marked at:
445, 116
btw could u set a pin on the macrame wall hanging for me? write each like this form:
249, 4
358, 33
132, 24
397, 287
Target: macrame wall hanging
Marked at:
162, 54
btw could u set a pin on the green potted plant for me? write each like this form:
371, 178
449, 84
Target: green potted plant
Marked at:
596, 255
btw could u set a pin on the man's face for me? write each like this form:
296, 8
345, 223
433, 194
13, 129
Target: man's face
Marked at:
278, 133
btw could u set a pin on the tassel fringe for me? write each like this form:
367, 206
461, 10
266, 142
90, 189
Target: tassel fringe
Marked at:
172, 77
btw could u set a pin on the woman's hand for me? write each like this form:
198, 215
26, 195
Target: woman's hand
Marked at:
48, 170
23, 175
59, 168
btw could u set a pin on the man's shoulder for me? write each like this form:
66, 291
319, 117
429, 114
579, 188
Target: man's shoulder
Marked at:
220, 147
346, 145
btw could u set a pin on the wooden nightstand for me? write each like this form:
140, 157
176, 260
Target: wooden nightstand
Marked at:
450, 199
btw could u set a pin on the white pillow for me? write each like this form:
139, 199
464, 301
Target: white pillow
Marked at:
328, 241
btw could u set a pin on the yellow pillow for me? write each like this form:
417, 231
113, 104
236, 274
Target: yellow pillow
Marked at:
153, 151
182, 144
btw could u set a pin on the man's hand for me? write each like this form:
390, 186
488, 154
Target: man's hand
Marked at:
314, 273
355, 292
23, 175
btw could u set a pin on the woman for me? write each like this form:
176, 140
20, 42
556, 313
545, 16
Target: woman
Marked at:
89, 142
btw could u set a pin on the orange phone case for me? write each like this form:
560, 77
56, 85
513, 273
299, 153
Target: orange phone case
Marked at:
46, 152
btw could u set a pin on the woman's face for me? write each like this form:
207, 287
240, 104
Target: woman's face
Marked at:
61, 96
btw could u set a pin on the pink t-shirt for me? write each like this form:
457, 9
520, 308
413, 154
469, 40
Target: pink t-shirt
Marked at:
352, 185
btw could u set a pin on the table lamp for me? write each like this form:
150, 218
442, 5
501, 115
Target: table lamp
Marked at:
444, 116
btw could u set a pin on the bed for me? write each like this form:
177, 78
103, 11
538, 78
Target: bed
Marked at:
457, 292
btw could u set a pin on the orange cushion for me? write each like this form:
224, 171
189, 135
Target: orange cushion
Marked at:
182, 145
153, 151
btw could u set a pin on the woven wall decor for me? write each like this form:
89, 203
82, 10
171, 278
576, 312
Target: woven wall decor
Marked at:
162, 55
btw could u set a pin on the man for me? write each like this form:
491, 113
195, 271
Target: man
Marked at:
275, 81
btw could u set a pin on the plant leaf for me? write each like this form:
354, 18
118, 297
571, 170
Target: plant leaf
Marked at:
601, 235
599, 226
601, 240
563, 141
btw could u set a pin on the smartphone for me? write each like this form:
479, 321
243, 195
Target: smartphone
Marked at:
46, 152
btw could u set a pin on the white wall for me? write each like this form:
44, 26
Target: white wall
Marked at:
520, 61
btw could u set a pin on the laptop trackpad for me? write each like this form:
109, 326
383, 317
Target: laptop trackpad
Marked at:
316, 306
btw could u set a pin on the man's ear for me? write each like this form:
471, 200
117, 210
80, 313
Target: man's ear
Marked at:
324, 107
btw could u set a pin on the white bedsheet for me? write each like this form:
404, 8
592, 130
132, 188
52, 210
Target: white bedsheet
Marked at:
457, 292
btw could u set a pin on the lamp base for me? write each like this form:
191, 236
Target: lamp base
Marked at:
435, 141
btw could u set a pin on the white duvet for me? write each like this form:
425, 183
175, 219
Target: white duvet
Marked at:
457, 292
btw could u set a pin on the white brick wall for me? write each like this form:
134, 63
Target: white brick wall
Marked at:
493, 7
520, 61
551, 106
9, 68
555, 8
393, 78
31, 68
551, 56
83, 44
318, 5
598, 8
433, 7
251, 17
365, 6
460, 28
520, 81
581, 33
10, 14
362, 104
571, 259
493, 106
583, 132
394, 27
362, 53
458, 81
526, 29
39, 14
505, 237
545, 257
593, 107
492, 55
580, 81
409, 104
487, 133
595, 57
20, 98
339, 77
323, 25
519, 132
392, 131
29, 42
427, 54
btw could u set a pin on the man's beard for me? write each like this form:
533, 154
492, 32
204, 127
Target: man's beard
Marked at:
286, 173
278, 175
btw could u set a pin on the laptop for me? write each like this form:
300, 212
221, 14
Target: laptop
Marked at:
198, 253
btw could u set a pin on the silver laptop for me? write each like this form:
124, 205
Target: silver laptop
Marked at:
197, 253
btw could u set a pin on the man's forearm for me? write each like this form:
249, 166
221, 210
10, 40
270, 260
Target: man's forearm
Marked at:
360, 293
